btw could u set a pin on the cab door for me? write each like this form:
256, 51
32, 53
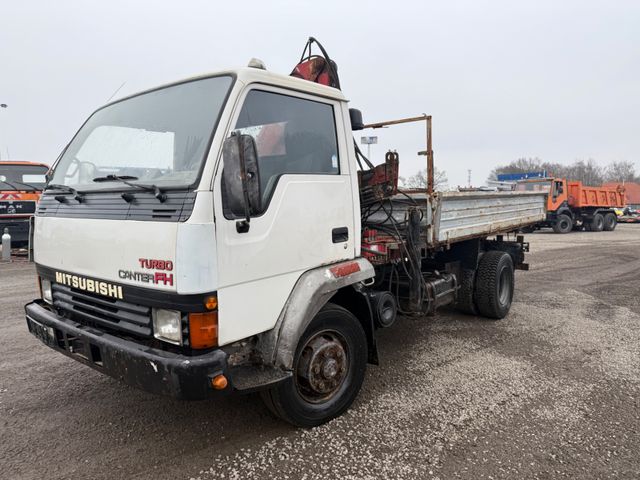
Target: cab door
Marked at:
558, 194
307, 218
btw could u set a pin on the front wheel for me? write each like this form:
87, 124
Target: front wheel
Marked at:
328, 370
563, 224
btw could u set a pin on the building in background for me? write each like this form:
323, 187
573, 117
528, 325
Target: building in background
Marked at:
631, 191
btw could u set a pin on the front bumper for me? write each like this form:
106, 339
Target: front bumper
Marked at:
153, 370
551, 217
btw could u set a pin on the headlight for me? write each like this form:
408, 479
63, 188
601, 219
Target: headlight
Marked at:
45, 286
167, 325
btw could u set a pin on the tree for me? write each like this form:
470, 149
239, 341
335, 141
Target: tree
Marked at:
419, 180
589, 172
620, 172
521, 165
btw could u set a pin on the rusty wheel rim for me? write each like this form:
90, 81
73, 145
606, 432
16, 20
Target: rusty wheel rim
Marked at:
322, 366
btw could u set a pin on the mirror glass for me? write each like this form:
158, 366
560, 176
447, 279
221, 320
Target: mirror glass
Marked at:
241, 176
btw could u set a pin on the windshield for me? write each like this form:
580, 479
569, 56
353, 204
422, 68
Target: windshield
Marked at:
533, 187
159, 138
22, 177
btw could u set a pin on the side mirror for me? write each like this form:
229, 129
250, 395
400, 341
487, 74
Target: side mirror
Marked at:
355, 116
241, 178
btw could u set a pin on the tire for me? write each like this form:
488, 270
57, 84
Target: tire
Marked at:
563, 224
597, 223
328, 370
610, 222
466, 302
494, 284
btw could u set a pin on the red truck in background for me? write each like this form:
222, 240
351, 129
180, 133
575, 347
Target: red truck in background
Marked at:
21, 184
574, 206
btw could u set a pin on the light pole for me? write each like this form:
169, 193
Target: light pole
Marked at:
2, 105
368, 141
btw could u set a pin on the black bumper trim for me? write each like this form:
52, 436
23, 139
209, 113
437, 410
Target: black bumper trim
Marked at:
152, 370
146, 296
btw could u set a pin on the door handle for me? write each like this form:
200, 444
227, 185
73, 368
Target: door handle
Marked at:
340, 234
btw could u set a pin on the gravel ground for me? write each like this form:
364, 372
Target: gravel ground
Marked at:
549, 392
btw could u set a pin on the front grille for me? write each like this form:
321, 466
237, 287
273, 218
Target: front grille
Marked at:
109, 205
91, 309
17, 207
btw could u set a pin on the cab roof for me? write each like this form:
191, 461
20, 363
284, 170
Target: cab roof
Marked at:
23, 162
248, 75
535, 179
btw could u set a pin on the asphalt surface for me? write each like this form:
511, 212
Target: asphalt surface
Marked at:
549, 392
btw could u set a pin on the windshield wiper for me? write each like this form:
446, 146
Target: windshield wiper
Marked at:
10, 184
15, 187
158, 193
114, 178
76, 195
30, 186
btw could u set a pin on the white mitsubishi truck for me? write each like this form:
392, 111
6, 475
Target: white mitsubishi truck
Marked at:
225, 234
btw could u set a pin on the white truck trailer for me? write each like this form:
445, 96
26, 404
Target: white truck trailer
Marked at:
216, 235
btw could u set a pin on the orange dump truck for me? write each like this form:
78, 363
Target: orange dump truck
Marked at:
20, 186
574, 206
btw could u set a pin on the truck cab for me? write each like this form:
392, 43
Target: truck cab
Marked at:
20, 187
556, 189
140, 254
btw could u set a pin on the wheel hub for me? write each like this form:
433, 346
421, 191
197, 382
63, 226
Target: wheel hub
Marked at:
322, 367
504, 284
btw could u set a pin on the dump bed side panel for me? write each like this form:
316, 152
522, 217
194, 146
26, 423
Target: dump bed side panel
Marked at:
450, 217
462, 215
581, 196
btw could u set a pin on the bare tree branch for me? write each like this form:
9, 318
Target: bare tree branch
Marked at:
419, 180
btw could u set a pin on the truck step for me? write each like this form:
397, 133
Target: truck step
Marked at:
249, 378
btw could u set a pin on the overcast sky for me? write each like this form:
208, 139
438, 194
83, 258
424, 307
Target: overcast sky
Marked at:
556, 80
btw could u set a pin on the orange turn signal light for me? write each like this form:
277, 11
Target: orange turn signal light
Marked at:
203, 330
219, 382
211, 303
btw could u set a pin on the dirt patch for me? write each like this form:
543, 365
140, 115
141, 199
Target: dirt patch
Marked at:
549, 392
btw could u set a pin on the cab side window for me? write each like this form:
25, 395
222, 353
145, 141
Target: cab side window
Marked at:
293, 136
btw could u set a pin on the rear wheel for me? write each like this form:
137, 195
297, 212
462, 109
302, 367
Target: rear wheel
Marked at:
563, 224
597, 223
494, 284
465, 301
610, 222
328, 370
